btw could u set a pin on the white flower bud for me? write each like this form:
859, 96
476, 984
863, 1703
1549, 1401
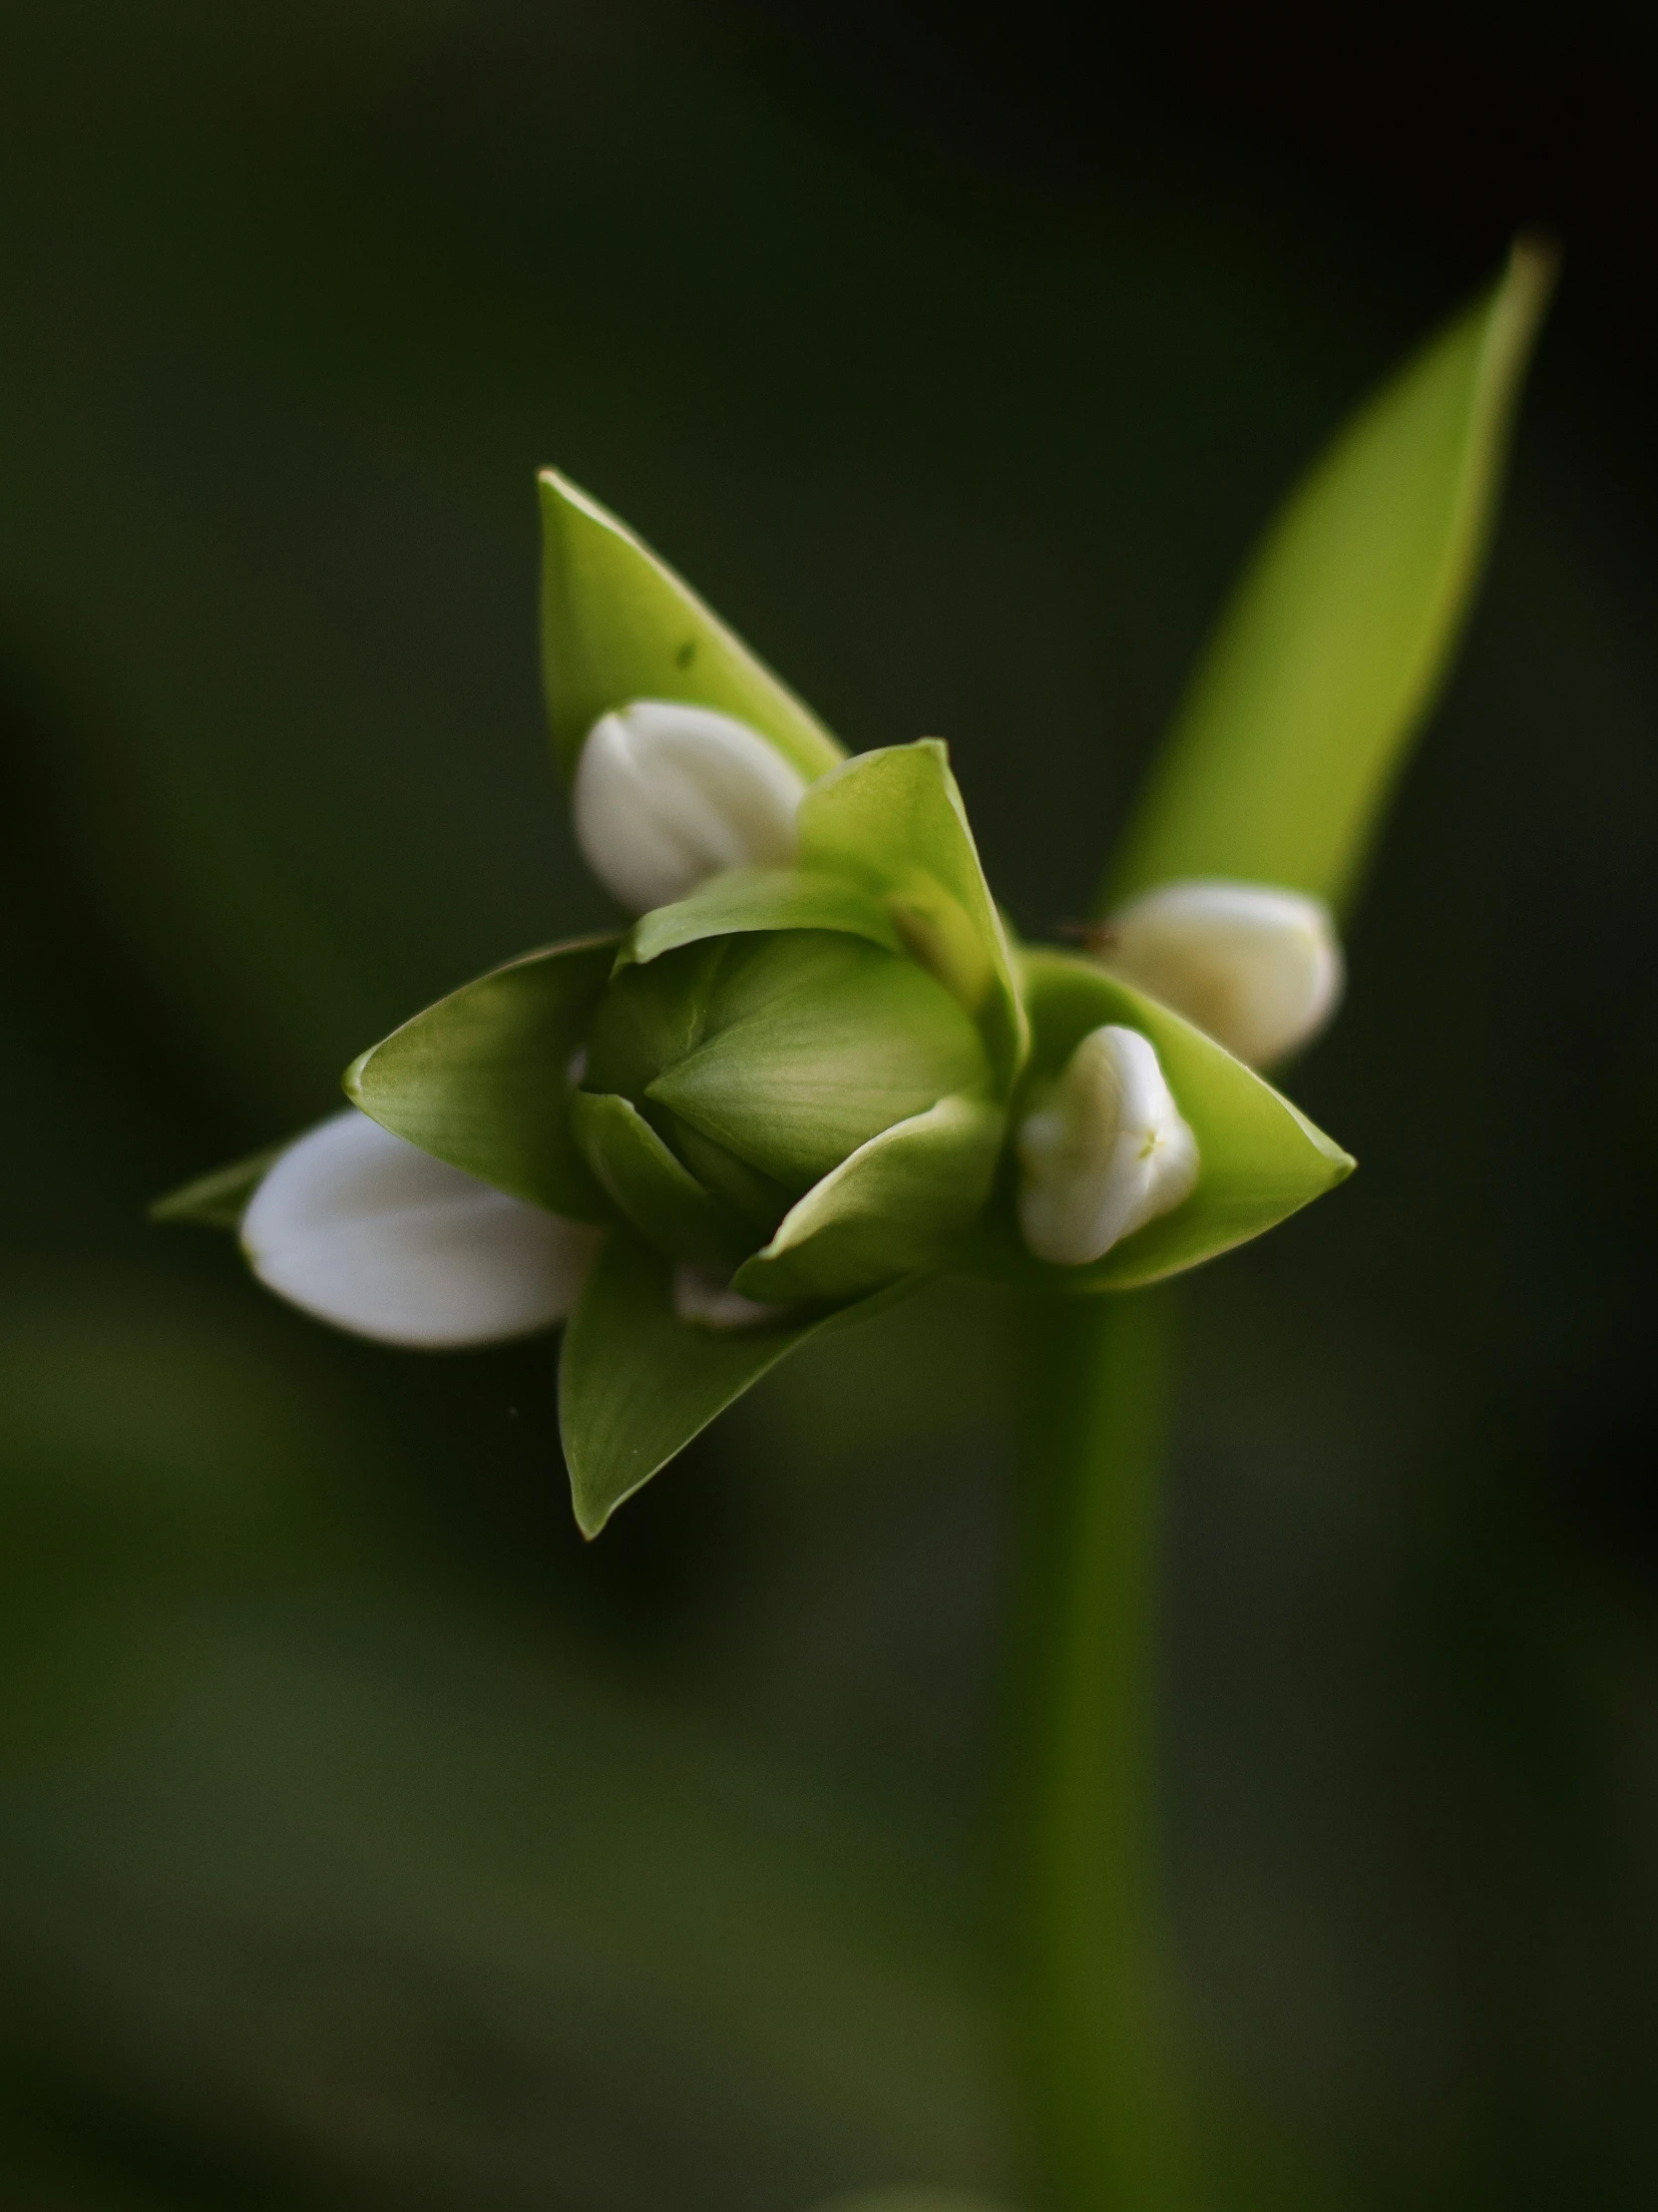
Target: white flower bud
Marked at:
365, 1230
1105, 1154
667, 795
704, 1297
1259, 968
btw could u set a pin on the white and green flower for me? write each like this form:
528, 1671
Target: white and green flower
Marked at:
814, 1070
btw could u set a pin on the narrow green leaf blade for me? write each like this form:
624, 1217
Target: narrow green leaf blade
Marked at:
220, 1199
636, 1383
894, 822
892, 1209
617, 624
1261, 1158
746, 899
1334, 642
482, 1079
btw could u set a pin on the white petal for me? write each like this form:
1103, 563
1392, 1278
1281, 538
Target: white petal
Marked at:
366, 1230
1259, 968
1105, 1154
704, 1297
668, 795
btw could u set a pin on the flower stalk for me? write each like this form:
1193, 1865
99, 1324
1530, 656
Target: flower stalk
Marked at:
1098, 1985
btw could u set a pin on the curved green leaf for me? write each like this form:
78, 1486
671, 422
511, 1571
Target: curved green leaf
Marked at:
1262, 1160
1332, 648
636, 1383
745, 899
220, 1199
894, 822
482, 1079
662, 1199
617, 624
891, 1208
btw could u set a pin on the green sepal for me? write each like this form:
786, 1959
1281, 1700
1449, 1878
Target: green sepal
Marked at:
1335, 642
893, 822
482, 1079
661, 1197
746, 899
893, 1208
760, 1200
636, 1383
652, 1017
220, 1199
1261, 1159
617, 624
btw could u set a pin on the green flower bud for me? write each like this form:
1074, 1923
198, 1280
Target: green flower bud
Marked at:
727, 1079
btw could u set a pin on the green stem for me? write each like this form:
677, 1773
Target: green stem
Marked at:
1098, 1982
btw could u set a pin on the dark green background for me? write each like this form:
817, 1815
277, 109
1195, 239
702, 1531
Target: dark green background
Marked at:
364, 1840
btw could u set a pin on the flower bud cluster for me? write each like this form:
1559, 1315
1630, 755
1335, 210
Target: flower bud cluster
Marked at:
726, 1084
813, 1070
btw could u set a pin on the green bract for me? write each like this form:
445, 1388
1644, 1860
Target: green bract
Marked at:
792, 1093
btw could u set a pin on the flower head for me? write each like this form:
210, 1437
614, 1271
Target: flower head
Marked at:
814, 1070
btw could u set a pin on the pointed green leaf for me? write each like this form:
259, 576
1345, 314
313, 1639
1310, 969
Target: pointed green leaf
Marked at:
893, 1208
636, 1383
746, 899
893, 821
1337, 639
1261, 1158
617, 624
482, 1079
220, 1199
662, 1199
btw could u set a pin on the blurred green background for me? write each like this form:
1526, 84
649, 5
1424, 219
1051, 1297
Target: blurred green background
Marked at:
365, 1840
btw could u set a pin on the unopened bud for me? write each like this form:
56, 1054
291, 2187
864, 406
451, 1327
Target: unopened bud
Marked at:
1258, 968
1105, 1154
363, 1230
704, 1297
667, 795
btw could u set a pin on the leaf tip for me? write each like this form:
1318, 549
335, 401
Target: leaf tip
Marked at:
588, 1520
1519, 302
1534, 262
352, 1082
559, 492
